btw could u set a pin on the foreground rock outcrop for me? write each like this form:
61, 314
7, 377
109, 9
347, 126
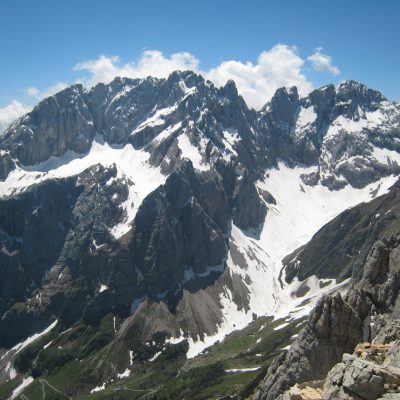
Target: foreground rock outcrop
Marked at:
363, 377
372, 372
333, 328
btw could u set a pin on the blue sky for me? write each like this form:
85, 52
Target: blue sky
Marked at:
43, 40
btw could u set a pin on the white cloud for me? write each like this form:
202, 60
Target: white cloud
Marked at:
32, 91
104, 69
280, 66
36, 93
256, 82
10, 113
53, 89
15, 109
323, 62
151, 63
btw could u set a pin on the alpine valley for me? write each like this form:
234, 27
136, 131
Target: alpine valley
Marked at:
159, 239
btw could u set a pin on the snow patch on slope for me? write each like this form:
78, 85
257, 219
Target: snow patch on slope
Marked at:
124, 374
367, 120
25, 382
301, 210
385, 156
230, 138
132, 164
299, 213
306, 117
191, 152
158, 118
102, 288
240, 370
31, 339
98, 388
167, 132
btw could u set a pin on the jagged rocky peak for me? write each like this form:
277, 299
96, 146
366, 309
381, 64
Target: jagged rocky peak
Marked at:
361, 95
322, 100
189, 78
282, 105
285, 95
325, 104
230, 89
184, 115
58, 123
137, 110
341, 131
148, 113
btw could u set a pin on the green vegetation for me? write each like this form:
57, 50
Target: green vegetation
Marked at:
84, 357
192, 382
8, 388
81, 341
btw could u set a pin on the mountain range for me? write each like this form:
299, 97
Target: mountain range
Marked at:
144, 220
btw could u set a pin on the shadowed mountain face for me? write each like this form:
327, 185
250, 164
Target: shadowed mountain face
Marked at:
172, 202
57, 244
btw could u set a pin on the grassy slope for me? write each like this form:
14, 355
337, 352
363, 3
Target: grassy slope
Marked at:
90, 354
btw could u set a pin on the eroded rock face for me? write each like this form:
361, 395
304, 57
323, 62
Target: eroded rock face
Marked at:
373, 371
178, 242
249, 211
59, 123
6, 165
181, 229
357, 378
319, 346
49, 235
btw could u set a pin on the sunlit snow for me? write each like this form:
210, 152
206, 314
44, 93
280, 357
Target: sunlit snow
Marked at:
300, 212
25, 382
156, 118
131, 163
191, 152
305, 118
385, 156
34, 337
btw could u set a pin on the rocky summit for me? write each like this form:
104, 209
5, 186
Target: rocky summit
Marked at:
161, 239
